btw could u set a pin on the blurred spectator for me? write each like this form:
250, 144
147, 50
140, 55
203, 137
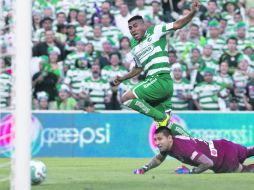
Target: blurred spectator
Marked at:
97, 39
64, 101
215, 39
97, 89
182, 89
206, 94
231, 54
172, 9
45, 25
122, 20
105, 55
42, 47
195, 65
249, 51
89, 106
233, 104
36, 20
225, 80
209, 61
77, 53
112, 33
141, 9
182, 45
104, 9
45, 80
72, 16
56, 66
242, 38
5, 86
76, 74
60, 18
83, 28
41, 103
241, 77
109, 72
72, 38
212, 13
249, 95
157, 15
250, 23
61, 33
125, 48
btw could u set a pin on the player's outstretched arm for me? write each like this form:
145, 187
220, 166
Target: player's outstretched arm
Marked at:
156, 161
185, 20
204, 162
135, 71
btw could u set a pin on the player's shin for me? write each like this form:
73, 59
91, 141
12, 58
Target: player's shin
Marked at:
143, 107
178, 130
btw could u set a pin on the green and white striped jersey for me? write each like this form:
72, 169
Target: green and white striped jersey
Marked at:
97, 91
181, 88
151, 52
211, 63
113, 34
223, 79
240, 83
109, 73
5, 89
207, 95
90, 7
250, 33
218, 46
74, 78
242, 43
72, 57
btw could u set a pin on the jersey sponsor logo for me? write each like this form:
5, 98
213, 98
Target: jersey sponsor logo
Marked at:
150, 83
144, 52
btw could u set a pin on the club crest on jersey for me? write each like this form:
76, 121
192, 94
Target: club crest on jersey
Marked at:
144, 52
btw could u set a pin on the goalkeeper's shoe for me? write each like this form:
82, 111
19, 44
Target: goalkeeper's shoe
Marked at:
183, 170
165, 122
141, 171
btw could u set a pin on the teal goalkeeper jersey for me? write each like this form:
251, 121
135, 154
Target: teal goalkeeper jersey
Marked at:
151, 52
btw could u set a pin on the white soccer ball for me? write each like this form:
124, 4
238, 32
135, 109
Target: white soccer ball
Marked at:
38, 172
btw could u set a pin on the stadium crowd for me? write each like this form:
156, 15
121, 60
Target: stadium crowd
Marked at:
79, 46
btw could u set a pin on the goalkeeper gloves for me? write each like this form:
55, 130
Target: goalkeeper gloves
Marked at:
141, 171
183, 170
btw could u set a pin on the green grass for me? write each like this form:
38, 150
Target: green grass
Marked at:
116, 174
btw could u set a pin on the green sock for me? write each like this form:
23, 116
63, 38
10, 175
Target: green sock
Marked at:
143, 107
178, 130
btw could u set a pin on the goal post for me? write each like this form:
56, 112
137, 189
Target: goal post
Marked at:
22, 43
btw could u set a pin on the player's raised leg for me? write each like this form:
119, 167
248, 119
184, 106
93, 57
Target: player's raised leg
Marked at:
153, 89
139, 105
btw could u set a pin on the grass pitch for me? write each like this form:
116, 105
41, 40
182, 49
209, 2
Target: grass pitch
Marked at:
116, 174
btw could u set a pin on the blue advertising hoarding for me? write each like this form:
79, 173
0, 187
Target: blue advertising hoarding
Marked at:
121, 134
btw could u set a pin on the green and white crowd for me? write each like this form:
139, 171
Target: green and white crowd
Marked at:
79, 46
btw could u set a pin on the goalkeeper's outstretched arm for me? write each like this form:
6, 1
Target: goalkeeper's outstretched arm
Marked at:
156, 161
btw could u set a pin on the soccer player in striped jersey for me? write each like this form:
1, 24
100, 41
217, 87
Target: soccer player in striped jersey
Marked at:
152, 96
220, 156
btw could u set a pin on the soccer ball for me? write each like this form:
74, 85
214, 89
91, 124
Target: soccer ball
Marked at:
38, 172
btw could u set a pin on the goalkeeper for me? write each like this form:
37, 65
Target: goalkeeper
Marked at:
221, 156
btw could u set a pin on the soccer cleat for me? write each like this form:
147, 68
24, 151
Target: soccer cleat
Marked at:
163, 123
183, 170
